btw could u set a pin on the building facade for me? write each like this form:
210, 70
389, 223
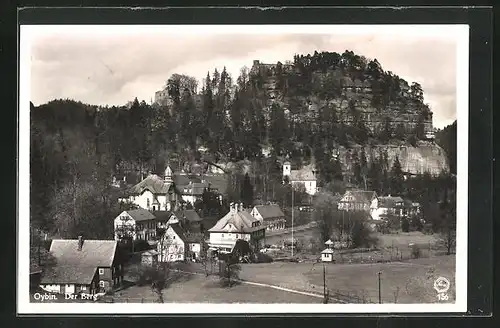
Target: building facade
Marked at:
154, 193
271, 216
90, 266
238, 224
306, 176
359, 200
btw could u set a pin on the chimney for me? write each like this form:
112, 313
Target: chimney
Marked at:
80, 242
124, 178
236, 207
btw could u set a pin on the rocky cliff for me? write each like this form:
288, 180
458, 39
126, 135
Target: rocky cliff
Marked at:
346, 96
426, 157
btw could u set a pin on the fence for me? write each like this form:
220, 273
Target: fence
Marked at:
337, 296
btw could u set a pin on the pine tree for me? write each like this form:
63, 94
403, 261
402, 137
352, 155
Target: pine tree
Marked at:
337, 170
247, 192
396, 176
374, 175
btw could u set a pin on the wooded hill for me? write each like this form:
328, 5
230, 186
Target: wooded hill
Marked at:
304, 109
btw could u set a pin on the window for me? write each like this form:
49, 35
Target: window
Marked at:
237, 236
101, 271
101, 283
222, 235
84, 287
147, 202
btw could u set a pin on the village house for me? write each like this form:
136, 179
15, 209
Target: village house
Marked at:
192, 186
359, 200
389, 206
189, 220
154, 193
83, 266
270, 216
238, 224
138, 224
305, 176
176, 244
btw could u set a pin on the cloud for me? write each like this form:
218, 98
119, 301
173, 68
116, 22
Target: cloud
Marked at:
107, 69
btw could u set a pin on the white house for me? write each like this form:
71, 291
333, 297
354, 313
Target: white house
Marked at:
154, 193
327, 255
271, 216
177, 245
305, 176
235, 225
359, 200
136, 224
389, 206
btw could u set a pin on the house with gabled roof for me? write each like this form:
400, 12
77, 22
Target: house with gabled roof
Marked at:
188, 219
178, 244
307, 176
358, 200
137, 224
83, 266
238, 224
155, 193
389, 206
270, 215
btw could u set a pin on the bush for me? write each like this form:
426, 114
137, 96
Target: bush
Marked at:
362, 236
416, 224
415, 251
141, 245
405, 225
263, 258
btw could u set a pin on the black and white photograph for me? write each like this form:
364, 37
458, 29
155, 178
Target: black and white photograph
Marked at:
243, 169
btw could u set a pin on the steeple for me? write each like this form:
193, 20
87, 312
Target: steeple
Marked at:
168, 174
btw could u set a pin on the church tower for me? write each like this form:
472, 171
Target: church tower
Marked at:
287, 168
168, 174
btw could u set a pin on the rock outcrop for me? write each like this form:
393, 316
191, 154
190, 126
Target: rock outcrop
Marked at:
426, 157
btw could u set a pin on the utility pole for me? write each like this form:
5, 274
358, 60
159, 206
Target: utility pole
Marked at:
379, 288
293, 242
325, 298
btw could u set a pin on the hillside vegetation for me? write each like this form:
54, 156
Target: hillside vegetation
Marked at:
309, 109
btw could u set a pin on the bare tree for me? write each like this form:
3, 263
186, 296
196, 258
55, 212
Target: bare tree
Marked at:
229, 270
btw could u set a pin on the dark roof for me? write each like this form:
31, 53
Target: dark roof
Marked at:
94, 253
218, 182
269, 211
189, 215
390, 202
186, 236
179, 231
141, 214
361, 196
162, 215
69, 274
153, 183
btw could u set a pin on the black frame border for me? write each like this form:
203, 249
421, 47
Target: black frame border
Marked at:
480, 236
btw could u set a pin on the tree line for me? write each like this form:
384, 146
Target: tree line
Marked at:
76, 148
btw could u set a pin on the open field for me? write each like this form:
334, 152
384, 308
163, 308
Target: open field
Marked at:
201, 289
414, 278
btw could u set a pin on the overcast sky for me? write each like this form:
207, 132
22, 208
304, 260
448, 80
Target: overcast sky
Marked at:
111, 69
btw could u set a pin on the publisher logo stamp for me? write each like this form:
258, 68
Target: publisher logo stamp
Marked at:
442, 285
